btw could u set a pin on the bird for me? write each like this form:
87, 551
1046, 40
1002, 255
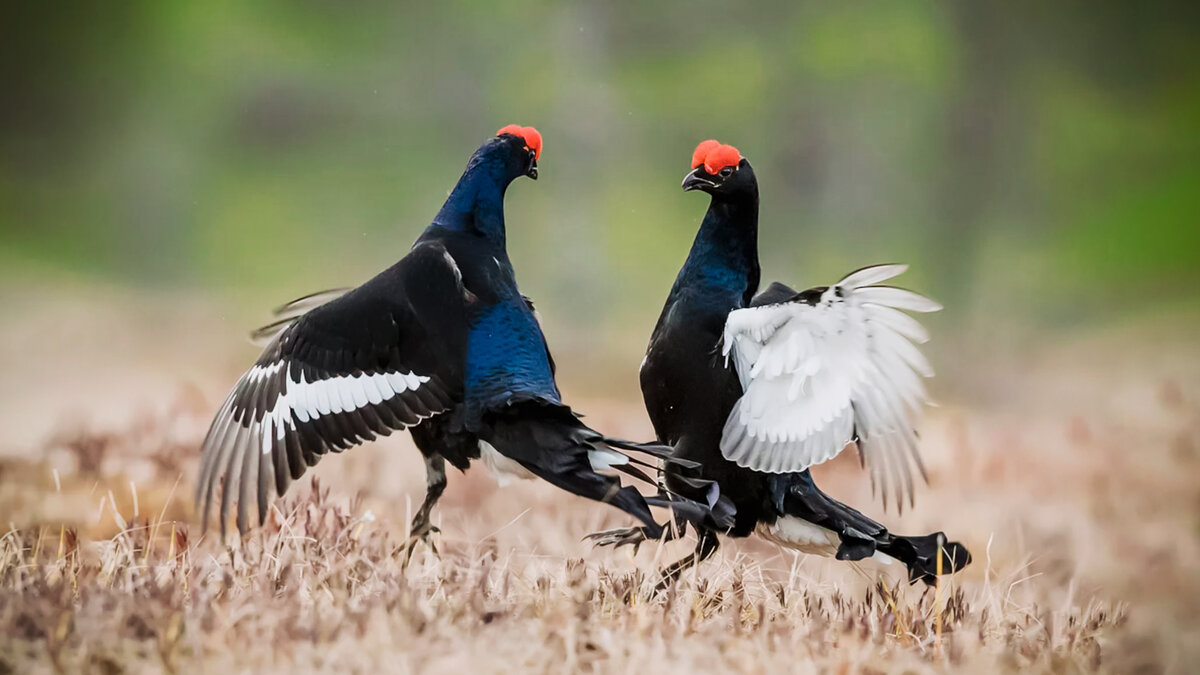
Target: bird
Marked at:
756, 388
441, 343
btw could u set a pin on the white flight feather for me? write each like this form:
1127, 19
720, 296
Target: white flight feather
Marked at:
814, 374
303, 401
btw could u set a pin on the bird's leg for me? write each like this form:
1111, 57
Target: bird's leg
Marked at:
636, 536
421, 529
705, 547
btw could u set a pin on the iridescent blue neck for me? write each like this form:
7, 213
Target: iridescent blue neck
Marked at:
476, 204
724, 256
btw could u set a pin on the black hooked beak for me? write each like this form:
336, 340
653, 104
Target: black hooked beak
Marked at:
532, 172
692, 181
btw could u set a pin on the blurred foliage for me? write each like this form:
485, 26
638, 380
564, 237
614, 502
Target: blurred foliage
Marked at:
1029, 159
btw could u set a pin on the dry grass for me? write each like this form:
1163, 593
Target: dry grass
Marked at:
1078, 497
326, 590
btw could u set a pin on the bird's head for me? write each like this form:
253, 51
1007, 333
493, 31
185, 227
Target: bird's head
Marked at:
523, 146
720, 170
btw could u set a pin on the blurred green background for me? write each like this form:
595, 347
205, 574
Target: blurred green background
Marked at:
1037, 163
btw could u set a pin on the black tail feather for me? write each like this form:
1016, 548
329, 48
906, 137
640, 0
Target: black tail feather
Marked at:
719, 517
552, 443
658, 450
632, 471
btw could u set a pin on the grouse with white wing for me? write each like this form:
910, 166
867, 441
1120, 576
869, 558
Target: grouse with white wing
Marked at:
756, 389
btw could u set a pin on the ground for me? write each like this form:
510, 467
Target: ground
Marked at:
1069, 470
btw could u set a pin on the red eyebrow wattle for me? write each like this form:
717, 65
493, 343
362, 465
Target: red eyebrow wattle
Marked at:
702, 151
720, 157
531, 136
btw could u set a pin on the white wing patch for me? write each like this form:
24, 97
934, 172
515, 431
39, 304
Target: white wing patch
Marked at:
303, 400
817, 377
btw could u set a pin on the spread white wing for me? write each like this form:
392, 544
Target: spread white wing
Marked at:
826, 368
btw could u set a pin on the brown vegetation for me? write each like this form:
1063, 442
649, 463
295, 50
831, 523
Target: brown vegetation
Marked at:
1078, 498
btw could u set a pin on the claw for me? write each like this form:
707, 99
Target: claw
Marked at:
421, 535
623, 536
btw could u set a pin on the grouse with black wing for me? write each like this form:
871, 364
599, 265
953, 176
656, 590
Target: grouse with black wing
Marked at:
442, 343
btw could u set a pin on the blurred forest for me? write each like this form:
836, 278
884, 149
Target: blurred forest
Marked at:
1036, 162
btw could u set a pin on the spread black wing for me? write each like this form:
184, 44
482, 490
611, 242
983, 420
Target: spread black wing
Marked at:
381, 357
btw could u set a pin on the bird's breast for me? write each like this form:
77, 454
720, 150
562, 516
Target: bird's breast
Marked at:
506, 354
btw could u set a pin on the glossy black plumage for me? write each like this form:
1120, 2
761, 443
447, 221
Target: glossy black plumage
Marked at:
689, 393
442, 342
384, 326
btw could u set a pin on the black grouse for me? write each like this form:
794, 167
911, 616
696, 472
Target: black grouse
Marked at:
758, 388
442, 343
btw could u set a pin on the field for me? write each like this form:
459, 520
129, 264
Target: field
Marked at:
1069, 470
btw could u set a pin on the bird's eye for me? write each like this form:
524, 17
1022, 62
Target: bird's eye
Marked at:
726, 172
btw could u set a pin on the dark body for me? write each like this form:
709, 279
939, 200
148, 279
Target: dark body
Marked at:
689, 393
509, 397
442, 343
687, 388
